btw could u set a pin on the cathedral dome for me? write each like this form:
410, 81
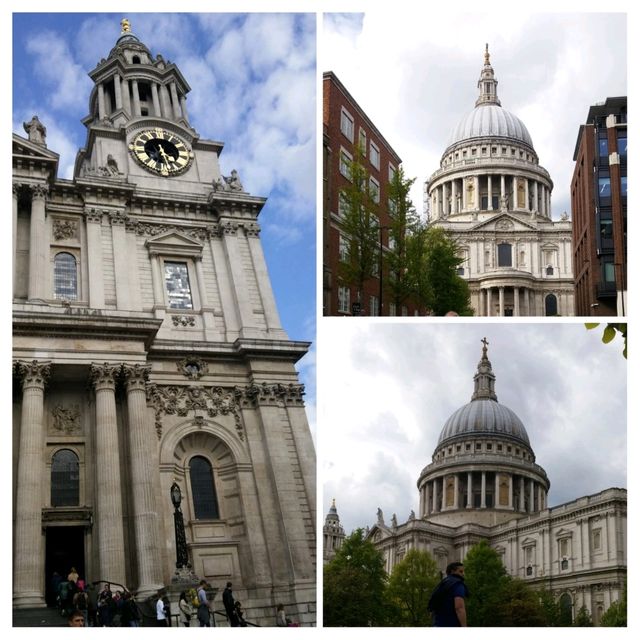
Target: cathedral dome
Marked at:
484, 415
490, 120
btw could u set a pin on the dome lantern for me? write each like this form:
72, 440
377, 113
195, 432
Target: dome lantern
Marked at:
487, 83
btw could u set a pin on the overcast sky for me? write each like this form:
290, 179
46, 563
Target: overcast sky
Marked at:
416, 76
387, 389
253, 81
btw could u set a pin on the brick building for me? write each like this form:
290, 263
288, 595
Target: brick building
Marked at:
599, 205
345, 125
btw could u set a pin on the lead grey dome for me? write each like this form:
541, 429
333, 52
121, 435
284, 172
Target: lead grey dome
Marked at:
484, 417
490, 120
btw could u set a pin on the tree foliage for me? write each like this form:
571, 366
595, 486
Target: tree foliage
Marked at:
550, 608
360, 226
411, 583
610, 331
583, 618
446, 290
616, 614
354, 585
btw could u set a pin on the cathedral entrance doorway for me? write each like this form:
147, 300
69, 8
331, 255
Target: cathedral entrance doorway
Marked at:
64, 549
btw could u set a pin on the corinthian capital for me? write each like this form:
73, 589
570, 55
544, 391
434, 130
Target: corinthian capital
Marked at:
34, 373
104, 375
135, 376
39, 191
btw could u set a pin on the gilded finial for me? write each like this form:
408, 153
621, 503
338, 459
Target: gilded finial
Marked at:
126, 25
486, 53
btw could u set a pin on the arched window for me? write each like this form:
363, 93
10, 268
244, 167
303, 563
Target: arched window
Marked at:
65, 479
65, 276
566, 610
135, 60
551, 305
203, 490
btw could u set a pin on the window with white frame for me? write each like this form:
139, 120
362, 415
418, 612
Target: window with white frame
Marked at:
343, 299
342, 205
392, 242
65, 276
393, 207
345, 160
405, 311
362, 140
374, 189
392, 172
392, 309
343, 249
374, 155
374, 306
346, 124
176, 276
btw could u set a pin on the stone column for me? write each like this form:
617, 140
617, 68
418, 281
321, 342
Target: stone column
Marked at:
454, 196
136, 98
14, 220
144, 516
155, 99
126, 96
502, 188
28, 561
456, 490
489, 193
501, 301
463, 186
511, 491
514, 191
445, 199
543, 203
165, 102
496, 489
118, 90
120, 265
548, 203
108, 515
271, 317
38, 245
516, 301
527, 302
101, 106
483, 491
94, 259
175, 102
157, 282
526, 194
208, 319
489, 301
476, 190
434, 495
531, 496
522, 493
536, 206
443, 501
469, 490
183, 107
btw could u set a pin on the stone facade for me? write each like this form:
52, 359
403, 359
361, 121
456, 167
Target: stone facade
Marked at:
333, 533
484, 484
146, 336
492, 194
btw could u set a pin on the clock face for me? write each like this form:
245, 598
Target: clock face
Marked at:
161, 151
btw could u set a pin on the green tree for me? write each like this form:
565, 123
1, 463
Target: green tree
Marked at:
550, 608
616, 614
354, 585
360, 226
411, 583
519, 606
447, 291
583, 618
404, 225
484, 575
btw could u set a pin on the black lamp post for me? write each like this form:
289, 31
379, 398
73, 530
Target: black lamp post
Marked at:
182, 557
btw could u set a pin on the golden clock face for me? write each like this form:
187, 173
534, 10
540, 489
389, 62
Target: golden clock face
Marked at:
161, 151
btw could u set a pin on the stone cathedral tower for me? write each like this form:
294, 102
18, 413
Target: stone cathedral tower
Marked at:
148, 350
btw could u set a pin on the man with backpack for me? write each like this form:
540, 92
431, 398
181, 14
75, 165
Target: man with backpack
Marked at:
447, 600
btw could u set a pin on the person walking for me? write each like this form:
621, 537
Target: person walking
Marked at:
447, 602
204, 608
230, 606
161, 614
186, 609
281, 618
81, 603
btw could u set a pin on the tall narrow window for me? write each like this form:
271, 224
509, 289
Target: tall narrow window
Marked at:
205, 500
65, 276
551, 305
504, 255
65, 479
176, 277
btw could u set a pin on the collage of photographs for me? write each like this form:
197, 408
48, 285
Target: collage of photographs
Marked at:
319, 319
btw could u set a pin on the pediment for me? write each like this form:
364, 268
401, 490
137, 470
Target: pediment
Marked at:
528, 542
504, 222
564, 533
174, 242
24, 147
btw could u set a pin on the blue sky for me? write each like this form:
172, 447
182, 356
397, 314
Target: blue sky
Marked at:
253, 87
